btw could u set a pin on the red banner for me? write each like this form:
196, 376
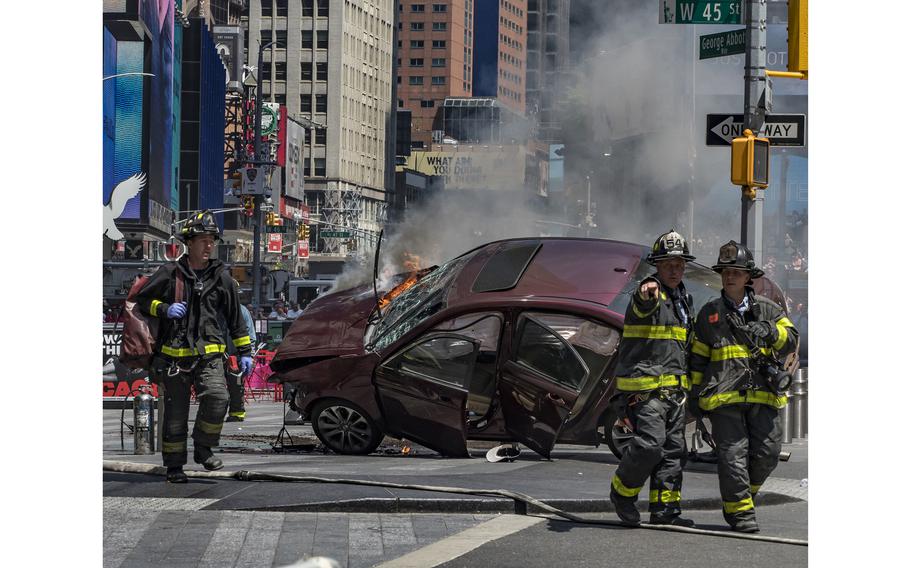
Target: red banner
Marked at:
275, 242
303, 249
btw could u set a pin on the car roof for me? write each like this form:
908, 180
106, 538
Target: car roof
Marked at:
589, 270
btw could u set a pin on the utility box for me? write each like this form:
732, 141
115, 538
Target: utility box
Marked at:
750, 160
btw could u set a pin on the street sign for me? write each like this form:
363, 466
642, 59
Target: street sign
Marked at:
335, 234
303, 249
700, 12
724, 43
276, 229
269, 118
274, 243
780, 129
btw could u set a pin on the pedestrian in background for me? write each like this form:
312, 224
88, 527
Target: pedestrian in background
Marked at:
737, 389
234, 377
295, 311
651, 380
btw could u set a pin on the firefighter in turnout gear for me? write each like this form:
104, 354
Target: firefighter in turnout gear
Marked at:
651, 384
738, 344
190, 347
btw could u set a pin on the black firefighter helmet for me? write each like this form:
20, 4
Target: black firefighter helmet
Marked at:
202, 223
735, 255
670, 245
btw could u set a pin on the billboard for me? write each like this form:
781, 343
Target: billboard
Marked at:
494, 168
158, 19
293, 159
229, 43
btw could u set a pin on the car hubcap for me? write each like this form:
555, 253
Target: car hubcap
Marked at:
344, 428
622, 435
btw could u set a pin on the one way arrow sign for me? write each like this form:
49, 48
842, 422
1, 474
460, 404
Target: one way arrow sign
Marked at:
780, 129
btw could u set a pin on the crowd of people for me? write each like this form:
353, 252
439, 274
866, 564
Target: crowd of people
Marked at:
279, 311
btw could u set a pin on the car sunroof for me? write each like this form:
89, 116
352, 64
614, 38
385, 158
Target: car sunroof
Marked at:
503, 270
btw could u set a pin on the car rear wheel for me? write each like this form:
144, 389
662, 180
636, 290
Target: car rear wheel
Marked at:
615, 432
344, 427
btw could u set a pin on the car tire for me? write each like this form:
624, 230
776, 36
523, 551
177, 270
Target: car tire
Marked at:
344, 427
614, 433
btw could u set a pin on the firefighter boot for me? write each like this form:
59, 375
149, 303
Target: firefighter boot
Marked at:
203, 455
175, 475
744, 523
670, 518
625, 509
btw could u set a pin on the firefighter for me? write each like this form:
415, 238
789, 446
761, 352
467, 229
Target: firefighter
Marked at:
737, 344
190, 347
651, 384
234, 376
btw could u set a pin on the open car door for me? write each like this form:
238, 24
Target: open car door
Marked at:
553, 371
423, 394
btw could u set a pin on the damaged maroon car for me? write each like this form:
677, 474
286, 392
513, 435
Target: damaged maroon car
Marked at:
512, 341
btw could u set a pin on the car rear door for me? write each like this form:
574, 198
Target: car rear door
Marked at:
423, 392
550, 373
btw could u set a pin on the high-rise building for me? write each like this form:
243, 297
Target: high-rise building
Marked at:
331, 66
500, 51
547, 63
435, 60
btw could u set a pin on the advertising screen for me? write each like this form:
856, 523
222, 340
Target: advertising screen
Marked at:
158, 19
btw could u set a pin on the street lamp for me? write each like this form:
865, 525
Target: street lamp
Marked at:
257, 161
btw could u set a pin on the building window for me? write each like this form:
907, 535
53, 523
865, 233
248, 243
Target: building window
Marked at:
322, 71
320, 167
400, 102
321, 103
441, 80
416, 26
266, 8
306, 39
417, 7
322, 39
439, 62
416, 43
306, 103
427, 104
440, 8
265, 36
398, 80
282, 6
281, 99
439, 44
440, 26
281, 71
415, 80
320, 137
416, 62
306, 71
307, 8
322, 8
281, 36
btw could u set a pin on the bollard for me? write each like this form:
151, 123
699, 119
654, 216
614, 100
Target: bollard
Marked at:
800, 403
786, 425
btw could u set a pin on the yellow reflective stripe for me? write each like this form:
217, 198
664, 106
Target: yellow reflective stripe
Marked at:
700, 348
753, 489
154, 309
181, 352
173, 447
642, 314
240, 341
782, 334
663, 296
623, 490
665, 496
649, 383
214, 348
654, 332
208, 427
237, 414
697, 376
734, 352
738, 506
752, 396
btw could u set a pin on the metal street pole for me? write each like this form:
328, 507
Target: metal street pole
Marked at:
754, 115
588, 214
257, 199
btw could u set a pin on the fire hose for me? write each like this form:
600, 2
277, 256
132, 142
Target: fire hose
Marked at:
525, 500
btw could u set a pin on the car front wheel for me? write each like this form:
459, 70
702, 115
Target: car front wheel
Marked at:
617, 433
344, 427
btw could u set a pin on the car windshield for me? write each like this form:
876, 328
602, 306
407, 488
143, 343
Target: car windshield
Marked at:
703, 283
414, 305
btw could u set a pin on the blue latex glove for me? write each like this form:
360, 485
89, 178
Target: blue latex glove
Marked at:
246, 366
177, 311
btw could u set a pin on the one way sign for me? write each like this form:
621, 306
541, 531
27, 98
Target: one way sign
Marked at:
780, 129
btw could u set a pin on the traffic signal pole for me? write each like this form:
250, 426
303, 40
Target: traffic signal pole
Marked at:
257, 199
754, 109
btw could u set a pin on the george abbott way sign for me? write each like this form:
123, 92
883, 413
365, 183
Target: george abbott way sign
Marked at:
780, 129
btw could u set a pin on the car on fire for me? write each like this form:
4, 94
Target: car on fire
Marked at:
515, 340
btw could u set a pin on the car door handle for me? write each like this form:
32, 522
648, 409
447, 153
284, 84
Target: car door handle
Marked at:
556, 399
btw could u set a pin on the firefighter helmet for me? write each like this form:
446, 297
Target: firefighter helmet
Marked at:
200, 224
735, 255
670, 245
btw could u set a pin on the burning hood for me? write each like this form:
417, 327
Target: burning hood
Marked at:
330, 325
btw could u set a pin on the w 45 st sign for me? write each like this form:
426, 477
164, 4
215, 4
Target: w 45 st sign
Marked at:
700, 12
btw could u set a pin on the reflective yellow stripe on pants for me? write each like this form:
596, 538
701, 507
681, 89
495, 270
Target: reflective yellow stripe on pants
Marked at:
623, 490
751, 396
664, 496
731, 507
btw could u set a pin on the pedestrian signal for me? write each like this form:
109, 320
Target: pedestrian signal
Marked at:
750, 160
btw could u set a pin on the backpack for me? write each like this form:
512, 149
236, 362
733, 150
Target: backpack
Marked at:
137, 344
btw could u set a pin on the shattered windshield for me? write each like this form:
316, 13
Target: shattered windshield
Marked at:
414, 305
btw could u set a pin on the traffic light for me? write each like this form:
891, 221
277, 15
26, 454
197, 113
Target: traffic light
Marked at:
248, 206
798, 36
749, 161
270, 219
306, 232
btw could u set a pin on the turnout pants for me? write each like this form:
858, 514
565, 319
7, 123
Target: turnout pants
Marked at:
656, 451
208, 379
235, 392
748, 438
